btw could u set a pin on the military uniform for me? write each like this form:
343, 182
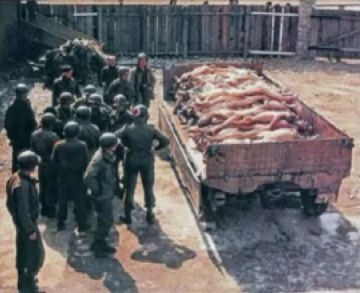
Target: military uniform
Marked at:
63, 84
138, 139
119, 86
19, 124
70, 157
90, 134
100, 117
142, 82
108, 75
42, 143
63, 116
23, 205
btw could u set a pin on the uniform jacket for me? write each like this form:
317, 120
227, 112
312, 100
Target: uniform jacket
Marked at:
63, 84
100, 117
23, 202
117, 87
90, 134
20, 123
100, 176
119, 119
42, 143
108, 74
140, 77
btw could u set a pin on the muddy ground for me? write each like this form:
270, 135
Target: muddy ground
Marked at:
253, 250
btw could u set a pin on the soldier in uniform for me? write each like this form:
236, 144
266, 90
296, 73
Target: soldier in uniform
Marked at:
142, 81
108, 74
84, 101
19, 123
121, 85
100, 181
99, 114
64, 112
42, 143
70, 157
89, 133
65, 83
138, 138
23, 205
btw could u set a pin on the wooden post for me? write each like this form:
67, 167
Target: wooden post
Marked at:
281, 28
247, 15
304, 28
185, 35
100, 23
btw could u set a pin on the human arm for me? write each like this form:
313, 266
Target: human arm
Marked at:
91, 177
163, 141
23, 210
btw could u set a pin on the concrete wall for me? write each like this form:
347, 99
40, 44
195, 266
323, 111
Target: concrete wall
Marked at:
8, 29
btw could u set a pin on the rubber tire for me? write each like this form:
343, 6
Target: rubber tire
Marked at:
310, 207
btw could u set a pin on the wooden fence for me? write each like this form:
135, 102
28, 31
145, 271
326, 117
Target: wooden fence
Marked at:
185, 30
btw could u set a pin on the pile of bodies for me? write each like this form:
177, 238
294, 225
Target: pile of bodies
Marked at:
232, 105
84, 56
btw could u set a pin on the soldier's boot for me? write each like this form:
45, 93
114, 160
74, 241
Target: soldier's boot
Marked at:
21, 281
106, 248
30, 285
127, 218
100, 250
150, 217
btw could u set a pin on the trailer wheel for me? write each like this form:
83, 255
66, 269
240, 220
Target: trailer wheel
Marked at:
311, 208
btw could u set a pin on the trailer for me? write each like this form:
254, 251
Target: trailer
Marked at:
314, 168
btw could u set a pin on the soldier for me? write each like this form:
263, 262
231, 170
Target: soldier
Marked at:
19, 123
70, 157
42, 143
84, 101
64, 112
142, 81
119, 118
121, 85
89, 133
138, 138
65, 83
99, 179
108, 74
99, 114
23, 205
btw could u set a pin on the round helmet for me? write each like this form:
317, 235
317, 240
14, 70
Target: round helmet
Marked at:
123, 70
95, 99
142, 55
21, 88
66, 98
48, 120
50, 109
83, 112
120, 100
108, 140
66, 68
71, 129
140, 111
90, 89
28, 161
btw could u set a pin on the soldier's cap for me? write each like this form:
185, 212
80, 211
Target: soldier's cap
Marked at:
50, 109
21, 88
71, 129
140, 111
48, 119
95, 99
83, 112
28, 160
142, 55
123, 70
108, 140
66, 97
66, 68
120, 100
90, 89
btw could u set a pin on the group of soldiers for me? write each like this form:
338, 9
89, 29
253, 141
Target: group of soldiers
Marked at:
78, 148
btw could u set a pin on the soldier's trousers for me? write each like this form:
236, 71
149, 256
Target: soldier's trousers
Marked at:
72, 187
48, 187
105, 218
30, 256
143, 98
147, 178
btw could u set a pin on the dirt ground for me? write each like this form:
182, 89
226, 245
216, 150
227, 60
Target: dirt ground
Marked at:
253, 250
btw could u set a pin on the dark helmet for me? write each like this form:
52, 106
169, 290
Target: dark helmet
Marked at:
50, 109
48, 120
108, 140
95, 99
140, 111
71, 129
66, 98
123, 70
66, 68
90, 89
83, 112
142, 55
120, 100
27, 161
21, 88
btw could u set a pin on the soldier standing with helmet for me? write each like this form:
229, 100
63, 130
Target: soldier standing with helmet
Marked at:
42, 143
99, 114
100, 181
138, 138
19, 123
23, 204
84, 101
70, 157
122, 86
64, 112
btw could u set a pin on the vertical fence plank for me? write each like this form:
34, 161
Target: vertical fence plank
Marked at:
185, 36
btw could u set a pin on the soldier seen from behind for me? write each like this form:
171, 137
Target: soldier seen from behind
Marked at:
84, 101
42, 143
122, 86
64, 112
19, 123
65, 83
108, 74
138, 139
70, 158
100, 181
23, 205
142, 81
100, 115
